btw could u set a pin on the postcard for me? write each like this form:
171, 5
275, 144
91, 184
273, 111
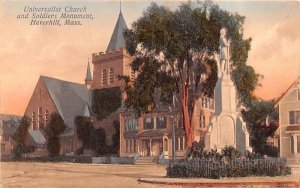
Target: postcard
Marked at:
134, 93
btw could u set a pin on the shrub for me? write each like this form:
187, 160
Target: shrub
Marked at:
235, 168
53, 146
230, 152
53, 130
197, 151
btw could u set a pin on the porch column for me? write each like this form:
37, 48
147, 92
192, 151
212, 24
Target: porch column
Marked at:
138, 145
150, 145
295, 144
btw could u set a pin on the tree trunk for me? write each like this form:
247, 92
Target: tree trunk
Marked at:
186, 116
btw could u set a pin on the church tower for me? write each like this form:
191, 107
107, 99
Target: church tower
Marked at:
88, 77
114, 61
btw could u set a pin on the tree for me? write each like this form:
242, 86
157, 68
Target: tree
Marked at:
260, 130
116, 137
20, 138
106, 101
22, 131
84, 128
172, 49
53, 130
91, 138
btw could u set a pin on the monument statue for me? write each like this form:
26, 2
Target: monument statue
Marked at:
227, 127
224, 53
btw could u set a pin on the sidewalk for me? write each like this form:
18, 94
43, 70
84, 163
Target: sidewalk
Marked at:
265, 181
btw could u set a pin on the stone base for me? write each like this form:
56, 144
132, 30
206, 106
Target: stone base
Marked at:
227, 130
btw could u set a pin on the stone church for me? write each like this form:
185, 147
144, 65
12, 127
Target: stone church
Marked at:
148, 135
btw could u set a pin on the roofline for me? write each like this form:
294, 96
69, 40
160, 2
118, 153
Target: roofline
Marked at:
43, 76
285, 93
43, 81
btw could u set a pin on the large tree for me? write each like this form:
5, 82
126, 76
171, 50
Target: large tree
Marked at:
172, 49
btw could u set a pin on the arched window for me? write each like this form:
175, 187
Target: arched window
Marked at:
111, 76
104, 77
33, 121
40, 117
46, 117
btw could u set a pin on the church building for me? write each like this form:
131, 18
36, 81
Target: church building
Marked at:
65, 98
148, 135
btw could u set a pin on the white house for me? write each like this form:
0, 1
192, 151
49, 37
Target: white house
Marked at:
289, 123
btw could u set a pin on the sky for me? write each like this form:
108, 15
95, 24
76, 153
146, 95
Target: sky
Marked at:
26, 51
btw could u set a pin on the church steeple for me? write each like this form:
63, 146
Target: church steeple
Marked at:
117, 40
88, 77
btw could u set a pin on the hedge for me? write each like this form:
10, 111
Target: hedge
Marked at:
235, 168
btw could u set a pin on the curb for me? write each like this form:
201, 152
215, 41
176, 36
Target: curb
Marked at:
222, 184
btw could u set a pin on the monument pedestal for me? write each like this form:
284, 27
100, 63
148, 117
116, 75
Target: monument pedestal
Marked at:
227, 127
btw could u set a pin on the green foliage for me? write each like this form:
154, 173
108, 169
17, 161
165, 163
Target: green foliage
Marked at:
197, 152
116, 137
53, 130
18, 150
98, 141
235, 168
22, 131
169, 46
53, 146
56, 125
84, 128
106, 101
91, 138
20, 138
259, 131
230, 153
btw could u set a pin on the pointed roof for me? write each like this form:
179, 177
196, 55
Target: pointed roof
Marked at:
294, 84
88, 76
71, 100
117, 39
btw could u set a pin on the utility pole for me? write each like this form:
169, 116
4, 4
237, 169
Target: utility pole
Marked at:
173, 129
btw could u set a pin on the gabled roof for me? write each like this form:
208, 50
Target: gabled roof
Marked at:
71, 100
287, 91
117, 39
